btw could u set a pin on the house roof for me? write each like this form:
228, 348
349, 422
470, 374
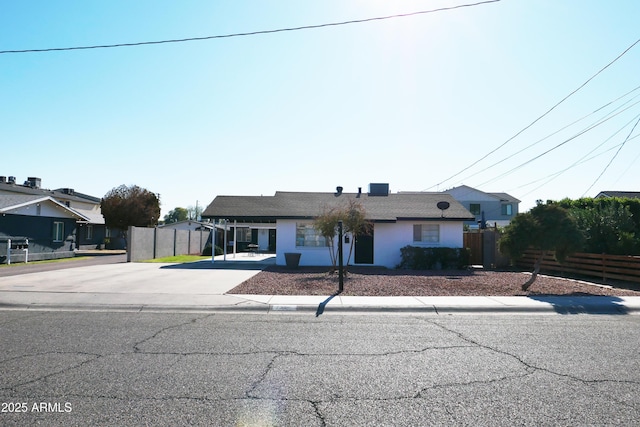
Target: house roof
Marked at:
301, 205
61, 193
189, 222
625, 194
10, 202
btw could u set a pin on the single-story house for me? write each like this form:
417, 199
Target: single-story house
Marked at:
41, 224
188, 225
492, 208
284, 223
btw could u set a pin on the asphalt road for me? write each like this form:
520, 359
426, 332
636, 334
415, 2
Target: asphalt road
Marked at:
105, 368
83, 261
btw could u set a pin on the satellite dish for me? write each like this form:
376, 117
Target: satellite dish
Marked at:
443, 205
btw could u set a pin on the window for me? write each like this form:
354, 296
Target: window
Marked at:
474, 208
243, 234
507, 209
89, 232
58, 231
308, 236
426, 233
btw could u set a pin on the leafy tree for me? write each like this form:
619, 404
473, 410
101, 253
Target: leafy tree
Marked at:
355, 222
353, 217
327, 224
130, 206
544, 228
176, 215
194, 212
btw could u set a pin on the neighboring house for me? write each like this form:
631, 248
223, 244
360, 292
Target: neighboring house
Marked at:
48, 226
284, 223
623, 194
83, 223
494, 208
188, 225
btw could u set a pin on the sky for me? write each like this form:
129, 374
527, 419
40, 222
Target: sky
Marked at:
492, 96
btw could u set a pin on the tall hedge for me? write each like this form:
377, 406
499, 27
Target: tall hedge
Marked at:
610, 224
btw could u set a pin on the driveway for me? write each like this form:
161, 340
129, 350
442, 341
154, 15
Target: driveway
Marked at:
194, 284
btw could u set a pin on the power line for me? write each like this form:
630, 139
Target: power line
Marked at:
580, 161
558, 131
612, 159
539, 118
252, 33
582, 132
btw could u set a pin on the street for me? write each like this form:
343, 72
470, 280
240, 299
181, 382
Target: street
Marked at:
127, 368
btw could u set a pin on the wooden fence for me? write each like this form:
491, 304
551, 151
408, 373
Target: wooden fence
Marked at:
605, 267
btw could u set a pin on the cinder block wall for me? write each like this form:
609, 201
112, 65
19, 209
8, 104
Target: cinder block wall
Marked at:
150, 243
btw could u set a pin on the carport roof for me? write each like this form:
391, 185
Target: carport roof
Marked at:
302, 205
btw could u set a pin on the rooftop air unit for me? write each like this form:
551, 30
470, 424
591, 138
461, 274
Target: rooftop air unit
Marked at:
378, 189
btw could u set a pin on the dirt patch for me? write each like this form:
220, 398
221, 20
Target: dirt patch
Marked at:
382, 282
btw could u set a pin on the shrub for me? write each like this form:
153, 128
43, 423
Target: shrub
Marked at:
415, 258
207, 250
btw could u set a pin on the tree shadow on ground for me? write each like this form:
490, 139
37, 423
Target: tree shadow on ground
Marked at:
578, 303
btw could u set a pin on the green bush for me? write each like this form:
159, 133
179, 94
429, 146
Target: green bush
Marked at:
415, 258
207, 250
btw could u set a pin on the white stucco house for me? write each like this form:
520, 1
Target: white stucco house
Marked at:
285, 222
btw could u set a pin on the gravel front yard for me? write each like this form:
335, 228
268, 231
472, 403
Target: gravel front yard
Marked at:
381, 282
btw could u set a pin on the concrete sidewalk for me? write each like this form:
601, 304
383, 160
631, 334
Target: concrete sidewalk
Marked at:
203, 286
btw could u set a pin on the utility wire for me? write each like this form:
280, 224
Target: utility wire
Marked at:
612, 159
582, 132
580, 161
558, 131
253, 33
539, 118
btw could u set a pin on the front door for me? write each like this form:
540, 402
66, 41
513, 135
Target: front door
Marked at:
364, 249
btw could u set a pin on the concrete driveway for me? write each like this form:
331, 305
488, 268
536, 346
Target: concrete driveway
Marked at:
194, 284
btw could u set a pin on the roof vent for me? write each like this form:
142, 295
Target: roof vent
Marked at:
3, 179
12, 180
378, 189
33, 182
68, 191
338, 190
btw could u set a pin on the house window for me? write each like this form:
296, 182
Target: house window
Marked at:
58, 231
243, 234
308, 236
507, 209
474, 208
89, 232
426, 233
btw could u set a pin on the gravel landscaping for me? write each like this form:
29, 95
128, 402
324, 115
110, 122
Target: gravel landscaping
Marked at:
277, 280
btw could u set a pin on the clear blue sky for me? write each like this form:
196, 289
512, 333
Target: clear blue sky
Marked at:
409, 101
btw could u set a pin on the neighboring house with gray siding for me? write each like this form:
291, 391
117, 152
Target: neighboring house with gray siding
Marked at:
495, 208
55, 221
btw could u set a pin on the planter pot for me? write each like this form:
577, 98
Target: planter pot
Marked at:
292, 259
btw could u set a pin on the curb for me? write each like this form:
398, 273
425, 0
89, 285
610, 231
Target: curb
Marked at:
603, 309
